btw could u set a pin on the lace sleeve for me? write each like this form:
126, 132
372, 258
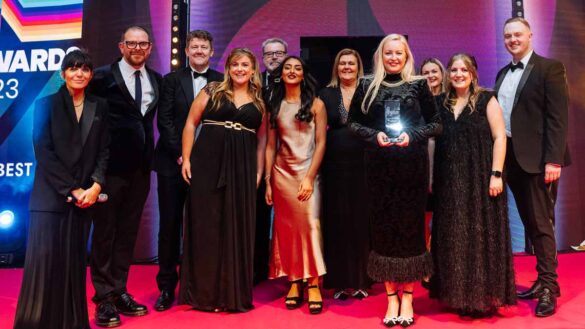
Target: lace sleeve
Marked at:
357, 121
210, 87
433, 125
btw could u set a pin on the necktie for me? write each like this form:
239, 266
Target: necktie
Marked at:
197, 74
518, 65
138, 91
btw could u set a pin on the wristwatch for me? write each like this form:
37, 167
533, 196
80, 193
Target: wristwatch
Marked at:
496, 173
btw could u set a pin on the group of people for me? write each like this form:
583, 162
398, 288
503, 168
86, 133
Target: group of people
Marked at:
346, 171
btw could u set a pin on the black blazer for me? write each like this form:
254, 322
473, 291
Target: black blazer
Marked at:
69, 154
175, 102
132, 134
539, 119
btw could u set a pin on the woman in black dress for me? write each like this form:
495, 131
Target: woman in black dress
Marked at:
346, 232
70, 139
396, 170
218, 241
471, 239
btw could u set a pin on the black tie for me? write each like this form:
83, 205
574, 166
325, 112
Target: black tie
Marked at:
518, 65
197, 74
138, 91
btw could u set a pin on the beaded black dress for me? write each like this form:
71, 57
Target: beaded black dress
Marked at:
218, 238
471, 237
346, 230
397, 178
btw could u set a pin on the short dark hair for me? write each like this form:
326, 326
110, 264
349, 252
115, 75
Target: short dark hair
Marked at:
518, 19
135, 27
199, 34
77, 58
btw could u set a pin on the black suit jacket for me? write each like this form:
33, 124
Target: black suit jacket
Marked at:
69, 154
539, 119
132, 134
175, 102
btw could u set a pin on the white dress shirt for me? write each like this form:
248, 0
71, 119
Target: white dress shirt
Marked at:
200, 82
507, 91
130, 79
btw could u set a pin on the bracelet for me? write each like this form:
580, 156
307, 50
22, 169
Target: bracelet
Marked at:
496, 173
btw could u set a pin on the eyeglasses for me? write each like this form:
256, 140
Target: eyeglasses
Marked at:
134, 44
274, 53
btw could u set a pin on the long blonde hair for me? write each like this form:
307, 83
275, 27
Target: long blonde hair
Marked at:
226, 87
335, 74
474, 87
379, 73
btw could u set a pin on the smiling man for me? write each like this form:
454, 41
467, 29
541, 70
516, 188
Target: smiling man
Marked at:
179, 90
533, 93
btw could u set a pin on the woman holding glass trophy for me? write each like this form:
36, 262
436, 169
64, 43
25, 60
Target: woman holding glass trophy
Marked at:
394, 111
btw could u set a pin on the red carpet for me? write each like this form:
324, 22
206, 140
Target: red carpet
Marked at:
271, 313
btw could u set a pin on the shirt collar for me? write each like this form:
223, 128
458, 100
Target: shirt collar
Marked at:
526, 58
128, 70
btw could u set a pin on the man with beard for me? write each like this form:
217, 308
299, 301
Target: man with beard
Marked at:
274, 50
178, 91
132, 92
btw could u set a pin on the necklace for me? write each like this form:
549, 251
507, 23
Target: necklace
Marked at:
78, 105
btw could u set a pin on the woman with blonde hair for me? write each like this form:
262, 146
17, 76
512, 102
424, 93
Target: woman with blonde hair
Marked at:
394, 111
218, 239
471, 244
346, 234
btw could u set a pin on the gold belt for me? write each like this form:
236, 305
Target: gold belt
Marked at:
228, 125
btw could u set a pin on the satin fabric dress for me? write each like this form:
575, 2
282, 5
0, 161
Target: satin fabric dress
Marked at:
297, 245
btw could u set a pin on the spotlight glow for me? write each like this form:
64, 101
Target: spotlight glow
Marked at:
6, 219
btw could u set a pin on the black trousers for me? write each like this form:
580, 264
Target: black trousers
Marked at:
172, 192
262, 239
536, 205
115, 227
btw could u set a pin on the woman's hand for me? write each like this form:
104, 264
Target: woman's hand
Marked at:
305, 189
383, 140
88, 197
186, 171
496, 186
405, 140
268, 194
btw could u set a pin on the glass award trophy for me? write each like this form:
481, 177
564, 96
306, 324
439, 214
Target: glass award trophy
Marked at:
392, 123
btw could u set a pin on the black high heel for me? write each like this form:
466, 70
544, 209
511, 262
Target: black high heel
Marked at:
298, 300
391, 322
315, 310
406, 322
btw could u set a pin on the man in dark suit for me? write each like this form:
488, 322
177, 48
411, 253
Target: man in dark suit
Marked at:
178, 91
274, 50
533, 93
132, 92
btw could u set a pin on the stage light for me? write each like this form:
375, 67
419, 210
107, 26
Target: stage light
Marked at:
174, 62
175, 28
6, 219
175, 50
175, 39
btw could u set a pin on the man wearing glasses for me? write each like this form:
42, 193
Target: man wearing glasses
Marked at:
132, 92
274, 51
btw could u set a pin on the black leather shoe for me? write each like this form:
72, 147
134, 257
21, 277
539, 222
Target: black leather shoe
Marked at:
534, 292
547, 304
128, 306
106, 315
164, 301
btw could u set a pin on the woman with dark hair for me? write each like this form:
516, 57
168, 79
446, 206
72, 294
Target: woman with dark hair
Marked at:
471, 244
70, 139
218, 239
298, 125
394, 111
345, 228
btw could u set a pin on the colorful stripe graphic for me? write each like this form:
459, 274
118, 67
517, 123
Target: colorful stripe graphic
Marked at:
44, 20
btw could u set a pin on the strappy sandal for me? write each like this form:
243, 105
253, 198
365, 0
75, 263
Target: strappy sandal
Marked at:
406, 322
297, 300
391, 322
319, 308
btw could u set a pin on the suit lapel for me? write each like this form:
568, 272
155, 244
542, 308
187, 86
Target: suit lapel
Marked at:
87, 119
122, 85
501, 77
187, 84
524, 78
68, 104
154, 84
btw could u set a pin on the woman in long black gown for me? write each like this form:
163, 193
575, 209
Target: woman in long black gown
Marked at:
471, 239
396, 170
346, 231
223, 173
70, 139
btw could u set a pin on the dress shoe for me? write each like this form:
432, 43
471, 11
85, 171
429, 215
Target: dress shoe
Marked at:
533, 292
106, 315
164, 301
126, 305
547, 304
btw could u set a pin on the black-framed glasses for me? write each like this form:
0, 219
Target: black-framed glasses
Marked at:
134, 44
279, 53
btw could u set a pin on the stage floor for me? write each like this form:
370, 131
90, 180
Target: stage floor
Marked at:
271, 313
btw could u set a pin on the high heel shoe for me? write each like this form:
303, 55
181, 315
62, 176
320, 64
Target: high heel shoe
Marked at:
319, 304
391, 322
406, 322
298, 300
